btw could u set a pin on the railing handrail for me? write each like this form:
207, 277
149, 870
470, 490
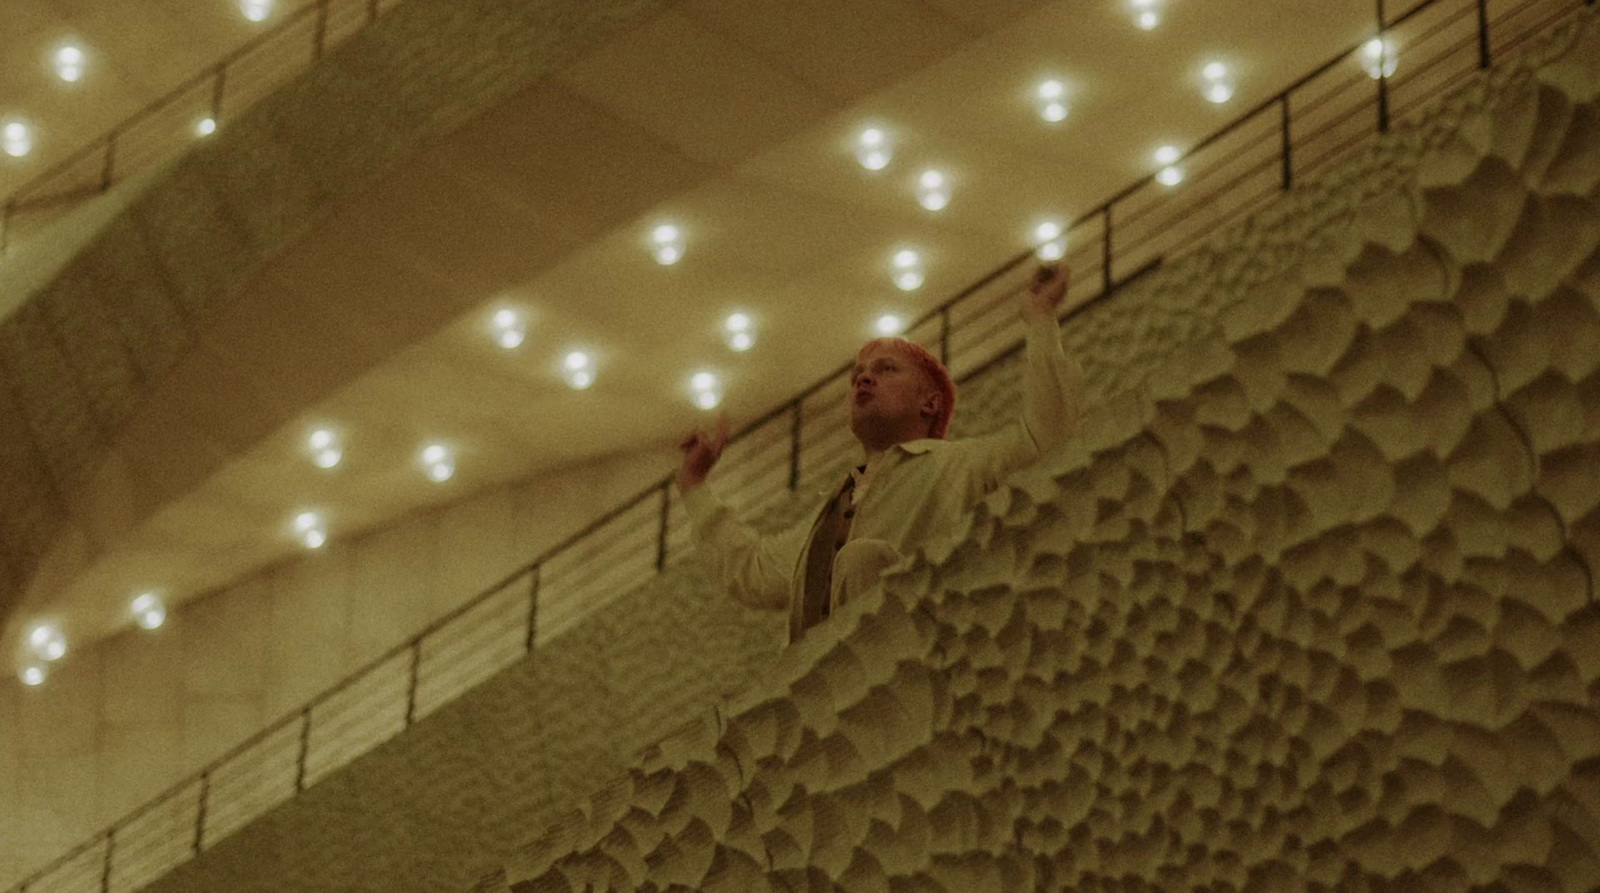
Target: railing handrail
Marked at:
662, 487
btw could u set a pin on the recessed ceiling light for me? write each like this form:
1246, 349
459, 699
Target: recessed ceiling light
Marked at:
34, 674
1052, 99
873, 149
889, 324
666, 243
205, 126
707, 390
1170, 176
69, 61
510, 328
1148, 20
47, 642
1167, 155
908, 272
1219, 92
578, 369
1051, 240
326, 451
740, 331
16, 139
1214, 71
439, 462
1380, 57
933, 190
256, 10
149, 611
311, 530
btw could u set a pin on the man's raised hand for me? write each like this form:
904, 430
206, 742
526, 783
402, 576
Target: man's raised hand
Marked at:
700, 452
1042, 301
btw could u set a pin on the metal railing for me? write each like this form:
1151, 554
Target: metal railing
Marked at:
1311, 124
220, 92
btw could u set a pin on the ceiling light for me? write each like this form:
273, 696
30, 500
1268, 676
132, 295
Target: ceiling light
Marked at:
1219, 83
666, 243
69, 61
34, 674
326, 450
740, 331
16, 139
889, 324
707, 390
1219, 92
510, 328
256, 10
1052, 97
1051, 240
1379, 57
47, 642
873, 149
1215, 71
311, 529
205, 126
908, 273
439, 462
1170, 176
933, 190
148, 611
578, 369
1167, 155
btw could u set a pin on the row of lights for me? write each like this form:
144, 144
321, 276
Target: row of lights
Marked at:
70, 61
46, 644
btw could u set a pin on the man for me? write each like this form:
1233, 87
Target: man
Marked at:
913, 485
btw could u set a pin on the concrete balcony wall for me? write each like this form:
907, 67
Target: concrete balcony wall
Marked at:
1310, 605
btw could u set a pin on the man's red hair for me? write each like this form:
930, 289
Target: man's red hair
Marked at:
938, 377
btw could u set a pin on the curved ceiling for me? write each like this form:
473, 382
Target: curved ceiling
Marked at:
733, 120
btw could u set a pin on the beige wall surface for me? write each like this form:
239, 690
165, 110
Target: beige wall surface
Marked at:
1310, 605
127, 717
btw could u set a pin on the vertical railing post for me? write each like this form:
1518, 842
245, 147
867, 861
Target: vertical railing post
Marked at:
411, 683
533, 609
200, 812
305, 745
944, 335
1484, 59
1288, 145
794, 448
1105, 253
5, 223
1383, 73
105, 867
108, 170
661, 532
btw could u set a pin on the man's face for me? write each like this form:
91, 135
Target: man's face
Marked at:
887, 396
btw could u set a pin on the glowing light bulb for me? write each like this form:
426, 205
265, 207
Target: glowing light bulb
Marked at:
1052, 98
16, 139
889, 324
1215, 71
1170, 176
311, 530
873, 149
1167, 155
205, 126
578, 369
703, 381
148, 611
256, 10
1148, 20
326, 451
1051, 241
667, 244
1380, 58
510, 328
741, 341
69, 62
33, 674
47, 642
933, 190
1219, 92
439, 462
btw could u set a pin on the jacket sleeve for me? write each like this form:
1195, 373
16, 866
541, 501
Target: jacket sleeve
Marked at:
1052, 402
756, 569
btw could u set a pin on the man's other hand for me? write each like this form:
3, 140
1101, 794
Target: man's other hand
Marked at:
1042, 300
700, 452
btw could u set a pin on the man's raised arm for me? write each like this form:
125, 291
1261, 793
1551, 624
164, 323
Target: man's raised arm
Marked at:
1052, 382
755, 569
